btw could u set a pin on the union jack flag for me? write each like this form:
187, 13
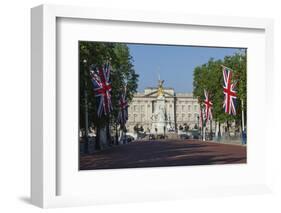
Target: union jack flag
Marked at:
100, 77
123, 111
230, 94
208, 106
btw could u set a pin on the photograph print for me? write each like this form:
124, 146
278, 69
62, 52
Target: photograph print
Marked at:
151, 105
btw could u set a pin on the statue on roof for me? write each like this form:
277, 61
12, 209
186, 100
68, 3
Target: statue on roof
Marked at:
160, 90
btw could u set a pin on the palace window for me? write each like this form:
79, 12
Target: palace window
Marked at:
142, 117
189, 107
195, 107
136, 108
142, 108
183, 107
196, 116
135, 117
189, 117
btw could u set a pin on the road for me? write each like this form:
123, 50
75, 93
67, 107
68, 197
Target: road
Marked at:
164, 153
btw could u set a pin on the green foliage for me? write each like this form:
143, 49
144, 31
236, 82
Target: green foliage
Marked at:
209, 77
122, 74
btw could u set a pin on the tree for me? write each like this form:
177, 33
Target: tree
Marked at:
186, 127
238, 64
180, 127
209, 77
122, 74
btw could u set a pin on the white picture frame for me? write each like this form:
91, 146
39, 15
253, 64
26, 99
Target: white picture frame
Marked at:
44, 154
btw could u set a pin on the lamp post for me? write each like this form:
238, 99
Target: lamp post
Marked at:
242, 116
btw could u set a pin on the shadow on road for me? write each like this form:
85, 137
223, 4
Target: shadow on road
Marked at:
163, 153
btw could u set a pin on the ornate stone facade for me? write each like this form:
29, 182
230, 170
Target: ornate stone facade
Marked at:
180, 108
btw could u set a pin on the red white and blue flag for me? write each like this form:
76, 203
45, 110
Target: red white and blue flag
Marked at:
100, 77
208, 106
230, 95
123, 110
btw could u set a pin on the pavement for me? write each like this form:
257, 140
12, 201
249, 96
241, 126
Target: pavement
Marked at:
160, 153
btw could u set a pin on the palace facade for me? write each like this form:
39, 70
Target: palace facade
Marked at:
180, 109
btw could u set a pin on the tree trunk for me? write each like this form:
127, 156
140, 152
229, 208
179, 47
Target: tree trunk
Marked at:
211, 130
102, 141
98, 146
204, 133
217, 130
228, 128
121, 136
103, 138
116, 134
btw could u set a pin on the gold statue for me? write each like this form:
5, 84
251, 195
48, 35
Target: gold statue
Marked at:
160, 91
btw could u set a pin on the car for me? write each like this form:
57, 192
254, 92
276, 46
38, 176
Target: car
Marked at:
151, 137
129, 138
210, 136
141, 135
189, 133
132, 135
184, 136
195, 135
91, 134
160, 137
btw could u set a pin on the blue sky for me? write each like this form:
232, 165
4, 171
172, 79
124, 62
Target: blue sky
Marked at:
175, 64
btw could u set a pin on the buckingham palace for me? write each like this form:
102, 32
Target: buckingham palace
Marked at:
178, 109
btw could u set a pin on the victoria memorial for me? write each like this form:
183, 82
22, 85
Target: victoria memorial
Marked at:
160, 109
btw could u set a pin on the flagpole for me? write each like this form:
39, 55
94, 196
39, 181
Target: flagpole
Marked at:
204, 130
124, 126
211, 131
243, 119
243, 124
204, 122
86, 110
201, 122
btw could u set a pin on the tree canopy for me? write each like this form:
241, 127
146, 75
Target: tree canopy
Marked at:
122, 73
209, 77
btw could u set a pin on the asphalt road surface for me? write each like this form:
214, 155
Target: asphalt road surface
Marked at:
164, 153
